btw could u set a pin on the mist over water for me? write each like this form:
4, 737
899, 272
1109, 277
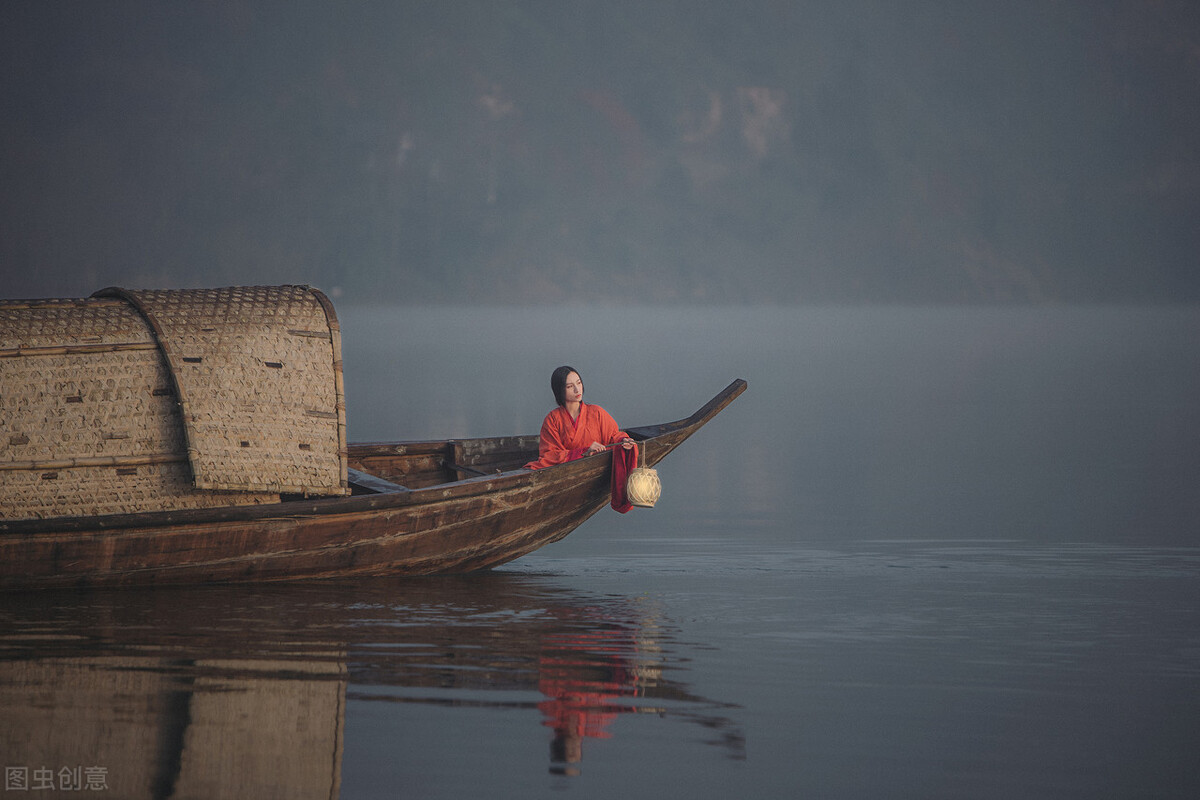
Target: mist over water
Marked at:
1072, 424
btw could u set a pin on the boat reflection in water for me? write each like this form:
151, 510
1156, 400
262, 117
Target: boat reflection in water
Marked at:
242, 691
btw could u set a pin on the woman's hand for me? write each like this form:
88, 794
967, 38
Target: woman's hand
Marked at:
596, 447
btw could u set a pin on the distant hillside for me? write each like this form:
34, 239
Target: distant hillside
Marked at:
593, 151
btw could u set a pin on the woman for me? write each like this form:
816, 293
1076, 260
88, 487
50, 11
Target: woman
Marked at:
575, 429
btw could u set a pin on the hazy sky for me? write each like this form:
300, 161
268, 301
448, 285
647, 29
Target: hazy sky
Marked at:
566, 151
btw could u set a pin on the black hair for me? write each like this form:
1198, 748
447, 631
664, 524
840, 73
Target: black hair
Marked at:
558, 383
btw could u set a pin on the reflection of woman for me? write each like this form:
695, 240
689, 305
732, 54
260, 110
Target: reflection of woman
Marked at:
586, 691
575, 429
588, 677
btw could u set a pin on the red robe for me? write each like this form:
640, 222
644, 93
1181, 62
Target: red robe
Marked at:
564, 439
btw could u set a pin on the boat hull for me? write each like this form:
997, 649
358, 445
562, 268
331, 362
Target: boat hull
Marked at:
461, 526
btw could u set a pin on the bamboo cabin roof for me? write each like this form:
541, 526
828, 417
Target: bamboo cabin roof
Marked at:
160, 399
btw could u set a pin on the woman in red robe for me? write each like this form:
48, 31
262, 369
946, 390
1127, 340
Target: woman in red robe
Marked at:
575, 429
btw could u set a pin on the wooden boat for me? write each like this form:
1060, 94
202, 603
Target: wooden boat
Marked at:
416, 508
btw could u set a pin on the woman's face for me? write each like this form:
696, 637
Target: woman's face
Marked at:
573, 389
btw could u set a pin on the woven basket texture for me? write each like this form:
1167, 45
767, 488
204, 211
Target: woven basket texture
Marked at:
168, 400
92, 491
257, 372
643, 488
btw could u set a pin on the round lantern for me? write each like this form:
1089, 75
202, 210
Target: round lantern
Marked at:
642, 487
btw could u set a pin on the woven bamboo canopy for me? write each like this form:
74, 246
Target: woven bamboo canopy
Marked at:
143, 400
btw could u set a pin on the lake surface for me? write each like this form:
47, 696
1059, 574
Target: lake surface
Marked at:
929, 553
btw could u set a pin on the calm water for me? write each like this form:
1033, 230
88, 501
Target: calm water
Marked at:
928, 554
